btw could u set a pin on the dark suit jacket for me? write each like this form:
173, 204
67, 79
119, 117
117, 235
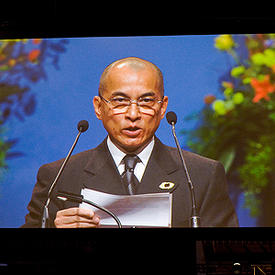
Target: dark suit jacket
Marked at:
95, 169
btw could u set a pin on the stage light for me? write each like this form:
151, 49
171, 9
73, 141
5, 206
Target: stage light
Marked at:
237, 268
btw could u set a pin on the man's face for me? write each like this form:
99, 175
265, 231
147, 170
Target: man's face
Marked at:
132, 129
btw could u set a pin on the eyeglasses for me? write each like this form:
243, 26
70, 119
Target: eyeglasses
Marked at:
121, 104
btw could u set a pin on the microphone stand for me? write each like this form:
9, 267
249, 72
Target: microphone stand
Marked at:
46, 210
195, 219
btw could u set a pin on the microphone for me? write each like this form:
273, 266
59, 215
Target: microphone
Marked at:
195, 219
79, 199
171, 118
82, 126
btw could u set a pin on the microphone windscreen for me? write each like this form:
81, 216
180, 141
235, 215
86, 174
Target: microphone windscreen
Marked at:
82, 126
171, 117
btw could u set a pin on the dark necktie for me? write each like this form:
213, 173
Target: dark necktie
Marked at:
128, 176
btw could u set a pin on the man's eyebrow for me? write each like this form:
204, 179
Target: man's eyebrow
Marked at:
148, 94
119, 93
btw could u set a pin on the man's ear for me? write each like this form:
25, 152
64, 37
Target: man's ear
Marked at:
164, 106
97, 106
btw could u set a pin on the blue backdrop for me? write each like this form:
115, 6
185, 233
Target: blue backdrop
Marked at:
191, 67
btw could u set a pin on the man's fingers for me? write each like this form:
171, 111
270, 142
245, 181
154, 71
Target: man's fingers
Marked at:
76, 211
76, 218
78, 225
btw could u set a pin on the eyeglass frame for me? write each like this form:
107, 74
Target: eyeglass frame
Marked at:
132, 101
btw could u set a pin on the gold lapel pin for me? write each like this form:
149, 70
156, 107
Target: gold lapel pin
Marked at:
166, 185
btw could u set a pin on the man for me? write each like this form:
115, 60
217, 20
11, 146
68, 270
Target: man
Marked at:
131, 104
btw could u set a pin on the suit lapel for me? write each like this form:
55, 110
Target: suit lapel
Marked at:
102, 172
159, 168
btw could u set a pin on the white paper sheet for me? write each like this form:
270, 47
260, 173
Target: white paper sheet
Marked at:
146, 210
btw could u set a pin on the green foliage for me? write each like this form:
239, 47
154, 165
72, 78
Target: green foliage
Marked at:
238, 126
237, 71
21, 64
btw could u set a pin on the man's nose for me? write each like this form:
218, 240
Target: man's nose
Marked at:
133, 111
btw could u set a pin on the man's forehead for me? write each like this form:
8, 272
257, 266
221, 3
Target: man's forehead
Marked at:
127, 77
132, 64
125, 70
125, 73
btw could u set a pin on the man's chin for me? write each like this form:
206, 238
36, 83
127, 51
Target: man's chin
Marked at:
131, 146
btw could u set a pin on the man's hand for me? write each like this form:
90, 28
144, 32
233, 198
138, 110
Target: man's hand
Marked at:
76, 218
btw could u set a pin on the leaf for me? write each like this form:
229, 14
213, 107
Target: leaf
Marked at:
258, 59
7, 90
252, 203
30, 106
12, 142
272, 116
4, 68
58, 47
237, 71
11, 155
227, 158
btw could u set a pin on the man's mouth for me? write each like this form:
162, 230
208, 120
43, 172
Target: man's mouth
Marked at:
131, 131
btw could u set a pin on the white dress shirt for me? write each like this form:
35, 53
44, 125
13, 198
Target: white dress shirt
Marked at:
118, 156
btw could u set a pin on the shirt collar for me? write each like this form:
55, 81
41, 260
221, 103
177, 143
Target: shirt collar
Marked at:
118, 155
